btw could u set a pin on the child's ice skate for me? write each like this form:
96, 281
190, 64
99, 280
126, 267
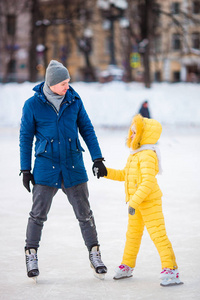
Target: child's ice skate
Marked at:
32, 264
169, 277
123, 271
96, 263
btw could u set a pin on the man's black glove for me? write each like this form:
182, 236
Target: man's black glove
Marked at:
27, 177
131, 210
99, 168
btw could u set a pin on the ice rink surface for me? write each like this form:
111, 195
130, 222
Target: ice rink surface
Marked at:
65, 272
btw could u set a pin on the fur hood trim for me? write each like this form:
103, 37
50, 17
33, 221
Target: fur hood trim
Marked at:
139, 125
148, 131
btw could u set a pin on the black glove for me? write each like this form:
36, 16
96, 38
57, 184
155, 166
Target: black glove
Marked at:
27, 177
99, 168
131, 210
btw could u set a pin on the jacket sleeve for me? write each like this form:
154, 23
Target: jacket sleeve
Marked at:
147, 162
86, 130
113, 174
27, 131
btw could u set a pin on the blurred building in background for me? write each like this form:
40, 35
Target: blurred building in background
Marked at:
101, 40
176, 43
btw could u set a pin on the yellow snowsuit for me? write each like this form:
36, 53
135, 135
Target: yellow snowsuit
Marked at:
144, 194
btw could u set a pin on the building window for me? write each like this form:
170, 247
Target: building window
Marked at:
196, 7
11, 24
157, 9
175, 8
157, 76
158, 44
12, 66
176, 41
107, 45
176, 76
84, 14
196, 40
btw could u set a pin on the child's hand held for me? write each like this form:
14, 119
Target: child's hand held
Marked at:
131, 210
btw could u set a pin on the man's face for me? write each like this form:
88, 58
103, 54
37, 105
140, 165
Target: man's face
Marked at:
60, 88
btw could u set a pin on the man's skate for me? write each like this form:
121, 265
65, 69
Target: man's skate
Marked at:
169, 277
123, 271
32, 264
96, 263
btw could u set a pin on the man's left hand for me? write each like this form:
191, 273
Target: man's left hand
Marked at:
99, 168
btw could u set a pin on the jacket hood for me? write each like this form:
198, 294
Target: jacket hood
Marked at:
148, 131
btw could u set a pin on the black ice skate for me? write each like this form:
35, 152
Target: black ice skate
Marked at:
32, 264
96, 263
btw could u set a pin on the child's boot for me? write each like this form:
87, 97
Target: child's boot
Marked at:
170, 277
123, 271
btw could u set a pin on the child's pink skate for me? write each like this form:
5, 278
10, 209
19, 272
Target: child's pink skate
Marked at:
123, 271
170, 277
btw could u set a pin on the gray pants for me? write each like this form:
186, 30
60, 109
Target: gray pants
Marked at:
78, 198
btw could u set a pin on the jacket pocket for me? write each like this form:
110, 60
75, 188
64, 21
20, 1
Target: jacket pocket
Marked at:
75, 158
79, 147
74, 145
41, 147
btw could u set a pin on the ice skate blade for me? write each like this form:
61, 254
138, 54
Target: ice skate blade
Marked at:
99, 276
34, 278
124, 277
170, 283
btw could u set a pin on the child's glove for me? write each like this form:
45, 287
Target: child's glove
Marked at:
99, 168
131, 210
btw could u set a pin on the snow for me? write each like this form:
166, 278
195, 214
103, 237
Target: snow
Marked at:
115, 103
63, 259
105, 5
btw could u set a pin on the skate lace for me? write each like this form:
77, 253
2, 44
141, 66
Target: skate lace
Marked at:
125, 268
167, 271
31, 261
95, 258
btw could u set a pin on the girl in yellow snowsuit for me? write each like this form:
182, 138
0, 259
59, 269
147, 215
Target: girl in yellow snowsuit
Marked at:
144, 197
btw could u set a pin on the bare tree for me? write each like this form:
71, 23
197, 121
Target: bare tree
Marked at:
35, 15
147, 33
82, 20
76, 18
10, 10
130, 36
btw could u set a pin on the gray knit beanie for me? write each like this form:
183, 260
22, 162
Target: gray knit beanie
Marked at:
56, 73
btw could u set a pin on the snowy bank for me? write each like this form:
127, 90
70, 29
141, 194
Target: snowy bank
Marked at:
114, 104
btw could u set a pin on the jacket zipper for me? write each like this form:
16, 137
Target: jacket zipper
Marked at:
53, 107
71, 153
52, 139
69, 138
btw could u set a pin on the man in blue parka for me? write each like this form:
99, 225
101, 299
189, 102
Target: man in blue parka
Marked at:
54, 116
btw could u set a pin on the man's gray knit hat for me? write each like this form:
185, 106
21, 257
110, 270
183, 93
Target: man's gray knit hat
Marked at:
56, 73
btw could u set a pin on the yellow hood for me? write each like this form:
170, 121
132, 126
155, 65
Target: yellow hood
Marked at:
148, 131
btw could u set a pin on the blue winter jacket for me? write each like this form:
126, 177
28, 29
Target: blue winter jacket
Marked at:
58, 152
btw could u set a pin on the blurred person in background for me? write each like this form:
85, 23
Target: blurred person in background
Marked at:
144, 110
55, 116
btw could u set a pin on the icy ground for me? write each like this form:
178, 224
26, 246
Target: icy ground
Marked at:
63, 259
